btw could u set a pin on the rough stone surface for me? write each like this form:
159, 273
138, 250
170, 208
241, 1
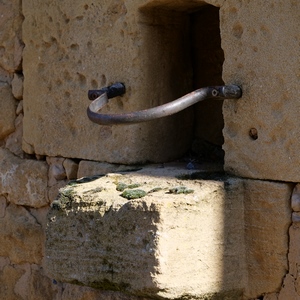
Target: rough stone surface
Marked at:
57, 171
17, 86
24, 181
21, 237
92, 168
267, 221
14, 141
7, 110
264, 61
3, 205
296, 198
99, 234
11, 45
71, 168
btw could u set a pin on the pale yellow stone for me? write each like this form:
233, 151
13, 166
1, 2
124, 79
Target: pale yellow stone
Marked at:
267, 220
264, 62
24, 181
187, 244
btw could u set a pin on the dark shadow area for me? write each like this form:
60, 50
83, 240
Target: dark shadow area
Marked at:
184, 42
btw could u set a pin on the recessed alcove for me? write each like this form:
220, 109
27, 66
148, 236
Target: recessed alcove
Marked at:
185, 47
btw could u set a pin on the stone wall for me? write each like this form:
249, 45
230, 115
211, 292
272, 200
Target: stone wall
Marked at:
59, 66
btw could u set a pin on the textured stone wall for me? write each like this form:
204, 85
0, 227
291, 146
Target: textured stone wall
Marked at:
58, 135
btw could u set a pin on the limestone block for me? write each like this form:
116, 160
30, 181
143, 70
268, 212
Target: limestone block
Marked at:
92, 168
261, 129
7, 110
75, 292
273, 296
9, 276
14, 141
21, 236
184, 238
70, 50
267, 220
24, 181
57, 171
17, 86
71, 168
288, 290
294, 251
11, 45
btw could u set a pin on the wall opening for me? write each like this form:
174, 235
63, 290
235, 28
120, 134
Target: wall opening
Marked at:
185, 45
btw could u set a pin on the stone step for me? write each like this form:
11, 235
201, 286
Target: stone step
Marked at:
169, 233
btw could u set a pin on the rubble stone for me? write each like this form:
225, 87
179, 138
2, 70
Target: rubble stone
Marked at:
17, 86
14, 141
24, 181
21, 236
7, 110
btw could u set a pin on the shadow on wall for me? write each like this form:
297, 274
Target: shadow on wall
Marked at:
184, 44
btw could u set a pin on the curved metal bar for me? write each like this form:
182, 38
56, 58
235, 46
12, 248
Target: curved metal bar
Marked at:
217, 92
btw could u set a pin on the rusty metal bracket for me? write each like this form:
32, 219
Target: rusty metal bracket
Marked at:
101, 99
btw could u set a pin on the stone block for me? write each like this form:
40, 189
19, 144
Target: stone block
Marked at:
261, 129
62, 62
173, 228
24, 181
14, 141
11, 45
92, 168
17, 86
95, 236
71, 168
267, 221
7, 110
21, 236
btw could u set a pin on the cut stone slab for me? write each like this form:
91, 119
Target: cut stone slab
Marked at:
167, 244
190, 234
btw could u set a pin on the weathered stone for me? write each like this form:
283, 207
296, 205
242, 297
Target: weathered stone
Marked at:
53, 191
296, 198
24, 181
14, 141
17, 86
273, 296
92, 168
3, 204
19, 109
141, 47
21, 236
9, 276
71, 168
264, 61
296, 217
294, 251
11, 46
56, 170
288, 290
267, 220
99, 235
7, 110
74, 292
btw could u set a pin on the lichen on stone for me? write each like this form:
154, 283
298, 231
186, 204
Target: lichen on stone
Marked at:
180, 190
133, 194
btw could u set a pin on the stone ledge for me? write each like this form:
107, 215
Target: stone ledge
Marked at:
185, 239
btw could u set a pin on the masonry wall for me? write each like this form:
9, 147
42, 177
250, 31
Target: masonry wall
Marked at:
31, 176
